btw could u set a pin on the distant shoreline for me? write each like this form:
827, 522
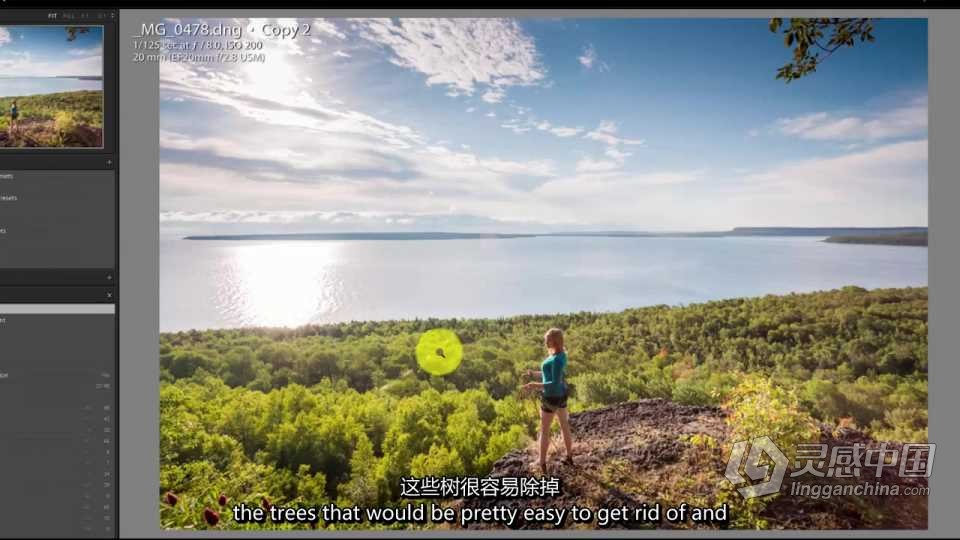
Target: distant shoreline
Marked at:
81, 77
450, 320
874, 235
903, 239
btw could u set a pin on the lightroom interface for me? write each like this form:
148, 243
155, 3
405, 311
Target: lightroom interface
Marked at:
505, 272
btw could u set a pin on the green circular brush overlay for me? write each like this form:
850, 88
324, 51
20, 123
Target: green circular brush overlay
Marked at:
439, 351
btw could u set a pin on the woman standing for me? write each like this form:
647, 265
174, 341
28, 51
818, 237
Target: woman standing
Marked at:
14, 115
553, 396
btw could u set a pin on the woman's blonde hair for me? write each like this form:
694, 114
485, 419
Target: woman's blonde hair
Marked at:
554, 336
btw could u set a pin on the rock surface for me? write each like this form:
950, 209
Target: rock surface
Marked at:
650, 451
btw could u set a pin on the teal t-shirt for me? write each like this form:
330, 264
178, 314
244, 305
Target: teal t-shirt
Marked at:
552, 369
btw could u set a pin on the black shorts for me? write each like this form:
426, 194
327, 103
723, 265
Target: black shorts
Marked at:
552, 403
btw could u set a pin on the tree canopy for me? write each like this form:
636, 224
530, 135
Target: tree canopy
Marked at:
813, 40
338, 413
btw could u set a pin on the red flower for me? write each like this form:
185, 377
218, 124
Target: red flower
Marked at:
170, 498
222, 499
211, 517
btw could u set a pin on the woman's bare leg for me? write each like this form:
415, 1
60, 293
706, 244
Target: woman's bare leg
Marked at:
546, 418
565, 429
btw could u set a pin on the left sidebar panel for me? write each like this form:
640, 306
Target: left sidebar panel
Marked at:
58, 274
57, 407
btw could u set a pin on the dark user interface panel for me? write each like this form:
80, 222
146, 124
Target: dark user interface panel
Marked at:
58, 273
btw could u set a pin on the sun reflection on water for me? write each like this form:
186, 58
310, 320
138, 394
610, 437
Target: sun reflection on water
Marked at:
285, 284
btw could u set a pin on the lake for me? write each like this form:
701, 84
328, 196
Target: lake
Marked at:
223, 283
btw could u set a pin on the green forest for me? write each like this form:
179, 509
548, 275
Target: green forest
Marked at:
73, 119
338, 413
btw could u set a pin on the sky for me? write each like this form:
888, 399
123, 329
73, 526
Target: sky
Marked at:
43, 51
528, 125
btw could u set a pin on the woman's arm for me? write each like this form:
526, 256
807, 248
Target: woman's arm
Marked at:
548, 377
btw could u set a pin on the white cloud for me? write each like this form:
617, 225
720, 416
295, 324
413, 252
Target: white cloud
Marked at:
493, 96
516, 128
615, 160
341, 54
528, 123
275, 93
562, 131
90, 51
525, 168
606, 133
607, 126
25, 64
4, 36
312, 168
271, 144
906, 120
327, 27
618, 198
617, 155
353, 169
282, 217
588, 165
314, 153
461, 54
232, 220
589, 59
883, 185
891, 165
559, 131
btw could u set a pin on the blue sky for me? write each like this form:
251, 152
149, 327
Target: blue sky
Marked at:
499, 124
43, 51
